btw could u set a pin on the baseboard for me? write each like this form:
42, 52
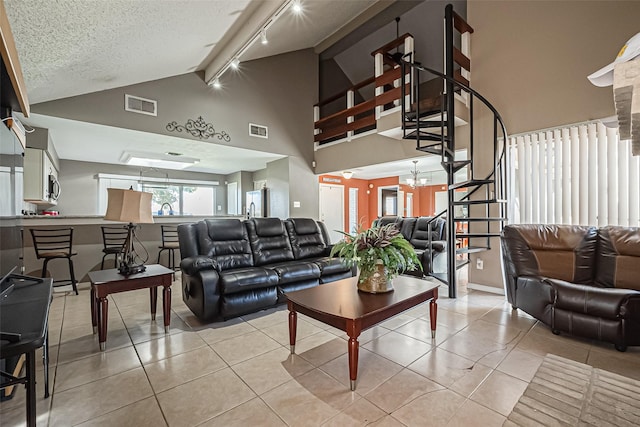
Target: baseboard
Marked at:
485, 288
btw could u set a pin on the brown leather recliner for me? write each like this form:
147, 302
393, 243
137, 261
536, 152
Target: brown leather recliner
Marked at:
576, 279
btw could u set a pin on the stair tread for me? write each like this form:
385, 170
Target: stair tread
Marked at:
456, 165
425, 136
470, 183
431, 149
472, 249
442, 277
412, 124
461, 263
479, 219
478, 202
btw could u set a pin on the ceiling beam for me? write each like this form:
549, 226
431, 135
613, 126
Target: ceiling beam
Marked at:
253, 18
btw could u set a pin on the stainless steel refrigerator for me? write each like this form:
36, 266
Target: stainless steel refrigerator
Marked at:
257, 203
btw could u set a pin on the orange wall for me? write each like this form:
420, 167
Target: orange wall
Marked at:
363, 197
423, 197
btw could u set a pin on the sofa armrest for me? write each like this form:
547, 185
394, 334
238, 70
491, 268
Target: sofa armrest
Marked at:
438, 245
630, 309
193, 265
534, 295
327, 250
608, 303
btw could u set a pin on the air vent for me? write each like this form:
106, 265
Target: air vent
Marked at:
135, 104
258, 131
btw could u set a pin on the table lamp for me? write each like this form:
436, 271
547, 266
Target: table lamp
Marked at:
133, 207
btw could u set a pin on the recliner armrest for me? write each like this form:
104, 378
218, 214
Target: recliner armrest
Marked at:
438, 245
609, 303
193, 265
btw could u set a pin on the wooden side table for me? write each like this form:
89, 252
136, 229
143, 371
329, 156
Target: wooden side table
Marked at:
105, 282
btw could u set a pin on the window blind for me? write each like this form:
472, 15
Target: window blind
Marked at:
580, 175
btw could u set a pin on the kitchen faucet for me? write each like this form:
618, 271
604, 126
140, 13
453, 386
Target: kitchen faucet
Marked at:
162, 209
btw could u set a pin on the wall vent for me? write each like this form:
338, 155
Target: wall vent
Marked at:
135, 104
258, 131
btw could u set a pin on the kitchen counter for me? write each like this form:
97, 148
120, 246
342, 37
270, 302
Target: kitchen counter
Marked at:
87, 241
68, 220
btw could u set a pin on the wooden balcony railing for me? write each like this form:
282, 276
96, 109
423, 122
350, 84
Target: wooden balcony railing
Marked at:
357, 118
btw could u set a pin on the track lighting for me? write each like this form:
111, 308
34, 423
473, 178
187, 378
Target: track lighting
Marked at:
235, 64
216, 83
263, 36
296, 6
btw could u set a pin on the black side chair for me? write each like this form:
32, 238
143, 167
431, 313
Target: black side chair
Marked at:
113, 239
170, 244
54, 244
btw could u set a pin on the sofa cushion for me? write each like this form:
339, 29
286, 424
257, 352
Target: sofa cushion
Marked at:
226, 242
329, 266
564, 252
244, 279
295, 271
406, 227
618, 261
420, 236
269, 241
306, 238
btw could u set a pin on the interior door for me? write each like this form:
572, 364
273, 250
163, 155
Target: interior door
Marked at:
332, 210
442, 200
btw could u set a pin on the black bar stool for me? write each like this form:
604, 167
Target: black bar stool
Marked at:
113, 239
54, 244
169, 243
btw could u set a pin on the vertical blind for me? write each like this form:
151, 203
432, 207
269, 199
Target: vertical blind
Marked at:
579, 175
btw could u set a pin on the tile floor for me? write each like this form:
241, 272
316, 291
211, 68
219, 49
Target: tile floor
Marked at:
240, 372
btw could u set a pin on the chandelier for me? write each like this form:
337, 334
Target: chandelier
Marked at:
414, 182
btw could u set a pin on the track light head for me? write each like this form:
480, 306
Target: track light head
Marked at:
263, 36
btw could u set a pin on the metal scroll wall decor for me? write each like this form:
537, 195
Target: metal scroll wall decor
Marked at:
199, 128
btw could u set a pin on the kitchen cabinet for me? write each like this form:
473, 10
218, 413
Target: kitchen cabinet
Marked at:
37, 171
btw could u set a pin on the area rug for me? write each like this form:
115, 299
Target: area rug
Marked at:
568, 393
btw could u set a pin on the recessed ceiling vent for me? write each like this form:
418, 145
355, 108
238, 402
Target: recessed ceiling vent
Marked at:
258, 131
135, 104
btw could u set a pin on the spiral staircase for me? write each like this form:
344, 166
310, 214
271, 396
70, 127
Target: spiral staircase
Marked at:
474, 219
414, 102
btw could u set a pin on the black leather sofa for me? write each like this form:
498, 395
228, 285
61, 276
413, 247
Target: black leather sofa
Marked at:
427, 235
232, 267
576, 279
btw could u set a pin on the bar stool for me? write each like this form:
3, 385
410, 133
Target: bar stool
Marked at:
169, 243
113, 239
54, 244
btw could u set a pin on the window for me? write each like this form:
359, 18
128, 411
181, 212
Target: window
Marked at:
180, 199
353, 210
580, 175
180, 196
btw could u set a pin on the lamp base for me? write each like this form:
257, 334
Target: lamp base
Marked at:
128, 270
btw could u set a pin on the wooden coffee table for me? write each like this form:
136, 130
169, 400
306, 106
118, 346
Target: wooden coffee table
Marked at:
342, 306
105, 282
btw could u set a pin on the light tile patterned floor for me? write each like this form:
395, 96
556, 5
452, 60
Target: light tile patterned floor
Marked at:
240, 372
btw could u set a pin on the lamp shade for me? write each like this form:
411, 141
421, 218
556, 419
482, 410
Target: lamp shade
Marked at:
128, 206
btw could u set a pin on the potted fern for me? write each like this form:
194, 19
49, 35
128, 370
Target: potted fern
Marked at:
380, 253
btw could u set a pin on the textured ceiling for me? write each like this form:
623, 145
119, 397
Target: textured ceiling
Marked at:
73, 47
70, 47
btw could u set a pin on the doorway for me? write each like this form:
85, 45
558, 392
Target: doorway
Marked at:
388, 204
332, 210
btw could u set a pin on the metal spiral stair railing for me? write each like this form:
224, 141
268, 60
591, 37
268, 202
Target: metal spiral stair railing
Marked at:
438, 137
